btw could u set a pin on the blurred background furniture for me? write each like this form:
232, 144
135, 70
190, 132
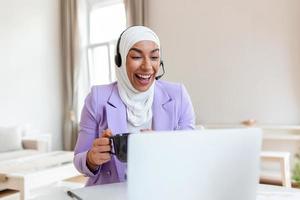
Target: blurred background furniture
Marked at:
284, 176
14, 144
27, 162
31, 172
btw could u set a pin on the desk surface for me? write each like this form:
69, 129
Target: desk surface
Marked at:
117, 191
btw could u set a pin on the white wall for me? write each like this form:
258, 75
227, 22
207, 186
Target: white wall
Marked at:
239, 59
30, 66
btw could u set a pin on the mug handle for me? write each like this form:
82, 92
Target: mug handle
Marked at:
111, 141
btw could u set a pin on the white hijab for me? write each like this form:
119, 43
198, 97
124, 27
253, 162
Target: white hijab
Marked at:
139, 104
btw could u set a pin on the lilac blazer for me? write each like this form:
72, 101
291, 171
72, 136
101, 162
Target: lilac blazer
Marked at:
103, 108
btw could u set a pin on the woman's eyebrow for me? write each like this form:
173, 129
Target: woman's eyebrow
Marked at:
135, 49
140, 51
154, 50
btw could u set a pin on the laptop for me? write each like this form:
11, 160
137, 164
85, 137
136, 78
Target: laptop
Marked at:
194, 165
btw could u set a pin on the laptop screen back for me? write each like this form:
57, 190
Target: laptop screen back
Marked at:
193, 165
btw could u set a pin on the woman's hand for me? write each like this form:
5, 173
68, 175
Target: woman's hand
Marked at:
100, 151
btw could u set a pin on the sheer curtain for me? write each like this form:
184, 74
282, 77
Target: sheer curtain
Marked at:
136, 12
74, 56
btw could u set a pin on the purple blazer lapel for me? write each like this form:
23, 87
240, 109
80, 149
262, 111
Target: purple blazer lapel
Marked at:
116, 113
163, 110
116, 121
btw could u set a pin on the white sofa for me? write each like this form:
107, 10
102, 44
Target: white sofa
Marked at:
30, 147
13, 143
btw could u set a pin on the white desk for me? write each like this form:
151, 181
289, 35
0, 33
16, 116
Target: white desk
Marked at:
117, 191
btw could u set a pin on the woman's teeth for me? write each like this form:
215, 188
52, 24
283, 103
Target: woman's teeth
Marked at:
143, 76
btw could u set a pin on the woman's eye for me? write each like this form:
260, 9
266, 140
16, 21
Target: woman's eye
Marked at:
136, 57
154, 57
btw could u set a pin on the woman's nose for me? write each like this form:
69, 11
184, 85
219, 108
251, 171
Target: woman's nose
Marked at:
146, 64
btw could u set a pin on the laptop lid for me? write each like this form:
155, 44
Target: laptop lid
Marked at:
199, 164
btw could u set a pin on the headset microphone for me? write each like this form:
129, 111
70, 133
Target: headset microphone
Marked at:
163, 68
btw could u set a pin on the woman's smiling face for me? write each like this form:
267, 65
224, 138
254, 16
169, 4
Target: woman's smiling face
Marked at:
142, 64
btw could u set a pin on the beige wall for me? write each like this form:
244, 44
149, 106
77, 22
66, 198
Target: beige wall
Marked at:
239, 59
30, 66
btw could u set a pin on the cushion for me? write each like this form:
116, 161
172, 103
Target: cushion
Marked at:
10, 139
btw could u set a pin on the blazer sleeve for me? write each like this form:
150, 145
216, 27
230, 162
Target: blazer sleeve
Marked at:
187, 114
88, 131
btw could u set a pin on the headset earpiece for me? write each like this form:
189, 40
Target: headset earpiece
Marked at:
118, 58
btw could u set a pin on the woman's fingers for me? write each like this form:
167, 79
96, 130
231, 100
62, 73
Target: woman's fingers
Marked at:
99, 158
106, 133
102, 149
105, 156
101, 142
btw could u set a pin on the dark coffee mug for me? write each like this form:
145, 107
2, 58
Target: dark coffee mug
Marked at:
119, 146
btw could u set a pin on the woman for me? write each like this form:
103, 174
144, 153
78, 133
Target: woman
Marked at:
136, 102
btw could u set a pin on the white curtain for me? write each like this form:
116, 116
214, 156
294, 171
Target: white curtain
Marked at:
136, 12
74, 56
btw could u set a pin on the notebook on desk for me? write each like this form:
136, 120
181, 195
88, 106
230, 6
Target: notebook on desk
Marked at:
193, 165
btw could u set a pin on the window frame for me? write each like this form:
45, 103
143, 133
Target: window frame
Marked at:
110, 45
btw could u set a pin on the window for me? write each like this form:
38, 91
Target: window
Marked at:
107, 19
